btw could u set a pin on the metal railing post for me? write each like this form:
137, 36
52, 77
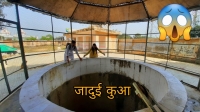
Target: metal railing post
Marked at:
4, 73
146, 42
108, 41
167, 55
71, 28
53, 39
21, 42
125, 41
108, 22
91, 34
198, 86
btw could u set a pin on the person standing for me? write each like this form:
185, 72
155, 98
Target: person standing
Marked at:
69, 51
93, 52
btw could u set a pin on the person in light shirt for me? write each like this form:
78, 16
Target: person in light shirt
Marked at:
93, 52
69, 51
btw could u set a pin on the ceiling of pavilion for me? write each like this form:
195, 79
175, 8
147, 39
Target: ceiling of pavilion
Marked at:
104, 11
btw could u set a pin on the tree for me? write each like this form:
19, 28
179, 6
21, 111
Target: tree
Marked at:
3, 3
2, 37
31, 38
47, 37
15, 38
122, 36
195, 32
59, 38
68, 30
139, 36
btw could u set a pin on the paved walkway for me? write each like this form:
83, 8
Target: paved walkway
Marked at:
32, 61
36, 60
12, 103
18, 77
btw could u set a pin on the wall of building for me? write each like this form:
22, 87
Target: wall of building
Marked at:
100, 38
182, 50
35, 43
113, 44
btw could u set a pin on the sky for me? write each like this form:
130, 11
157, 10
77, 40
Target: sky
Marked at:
35, 20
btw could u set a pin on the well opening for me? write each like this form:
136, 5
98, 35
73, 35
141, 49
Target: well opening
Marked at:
54, 87
66, 96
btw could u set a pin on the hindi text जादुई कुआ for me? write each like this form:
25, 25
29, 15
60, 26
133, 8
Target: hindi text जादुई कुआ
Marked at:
111, 90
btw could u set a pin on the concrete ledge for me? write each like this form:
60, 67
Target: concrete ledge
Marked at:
166, 89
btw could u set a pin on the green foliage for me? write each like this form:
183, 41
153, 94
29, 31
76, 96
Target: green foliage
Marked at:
15, 38
3, 3
122, 36
2, 37
59, 38
31, 38
47, 37
139, 36
195, 32
67, 30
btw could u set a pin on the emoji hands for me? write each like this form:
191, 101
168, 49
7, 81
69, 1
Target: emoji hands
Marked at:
163, 33
186, 33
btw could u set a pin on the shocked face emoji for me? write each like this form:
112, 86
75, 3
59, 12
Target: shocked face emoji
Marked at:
174, 21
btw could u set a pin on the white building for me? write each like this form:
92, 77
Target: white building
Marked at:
5, 34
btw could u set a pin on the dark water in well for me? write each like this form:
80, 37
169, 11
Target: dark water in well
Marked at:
66, 97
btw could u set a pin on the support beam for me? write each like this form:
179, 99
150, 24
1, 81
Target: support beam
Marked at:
21, 42
71, 29
108, 41
198, 84
125, 41
148, 16
107, 6
146, 42
53, 39
91, 34
74, 11
153, 99
7, 21
143, 97
4, 73
147, 30
167, 54
108, 22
